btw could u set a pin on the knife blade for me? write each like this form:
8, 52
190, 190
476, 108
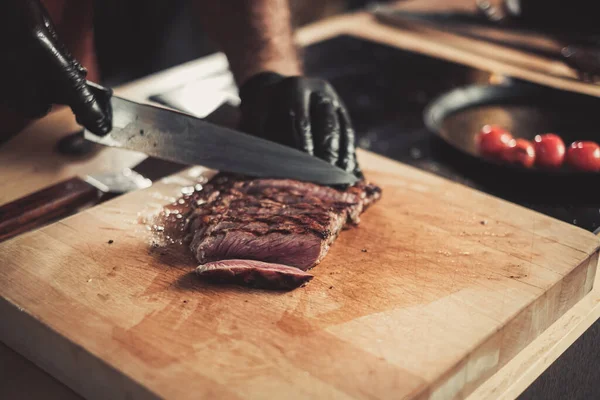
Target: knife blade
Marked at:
67, 197
179, 137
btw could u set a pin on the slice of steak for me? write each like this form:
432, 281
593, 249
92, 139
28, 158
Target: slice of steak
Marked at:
253, 273
298, 240
277, 221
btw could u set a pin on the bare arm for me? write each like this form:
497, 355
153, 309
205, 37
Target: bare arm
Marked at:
256, 35
278, 103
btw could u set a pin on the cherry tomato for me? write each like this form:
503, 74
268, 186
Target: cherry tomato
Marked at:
549, 150
584, 156
492, 140
519, 152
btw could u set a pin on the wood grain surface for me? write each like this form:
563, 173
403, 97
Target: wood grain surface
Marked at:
514, 378
452, 285
47, 205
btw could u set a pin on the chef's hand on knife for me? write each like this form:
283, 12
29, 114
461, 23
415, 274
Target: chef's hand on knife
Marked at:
305, 113
38, 71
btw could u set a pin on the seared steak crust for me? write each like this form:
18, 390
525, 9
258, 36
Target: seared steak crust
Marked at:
272, 220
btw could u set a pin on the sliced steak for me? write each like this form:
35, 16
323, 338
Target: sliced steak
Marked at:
291, 236
277, 221
253, 273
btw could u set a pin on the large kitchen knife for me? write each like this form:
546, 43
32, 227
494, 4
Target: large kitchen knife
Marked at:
66, 197
182, 138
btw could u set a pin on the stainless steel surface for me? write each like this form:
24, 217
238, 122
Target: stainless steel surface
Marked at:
182, 138
118, 182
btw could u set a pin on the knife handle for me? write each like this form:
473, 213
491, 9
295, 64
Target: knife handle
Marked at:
46, 205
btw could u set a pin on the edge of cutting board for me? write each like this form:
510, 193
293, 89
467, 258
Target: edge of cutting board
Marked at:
523, 327
65, 360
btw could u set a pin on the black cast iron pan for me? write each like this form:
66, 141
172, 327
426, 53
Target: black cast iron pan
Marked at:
523, 108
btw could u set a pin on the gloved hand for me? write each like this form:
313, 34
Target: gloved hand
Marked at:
300, 112
38, 71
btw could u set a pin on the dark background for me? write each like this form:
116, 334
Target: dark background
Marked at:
135, 38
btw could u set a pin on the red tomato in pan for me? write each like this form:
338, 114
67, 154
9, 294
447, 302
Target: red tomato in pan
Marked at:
549, 150
492, 140
584, 156
519, 152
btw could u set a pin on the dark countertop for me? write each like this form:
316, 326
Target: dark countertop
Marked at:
386, 90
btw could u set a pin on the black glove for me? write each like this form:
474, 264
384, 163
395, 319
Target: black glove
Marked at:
38, 71
304, 113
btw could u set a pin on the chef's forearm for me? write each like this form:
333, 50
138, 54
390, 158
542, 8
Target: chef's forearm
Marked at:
256, 35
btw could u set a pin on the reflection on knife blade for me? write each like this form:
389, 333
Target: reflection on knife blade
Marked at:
182, 138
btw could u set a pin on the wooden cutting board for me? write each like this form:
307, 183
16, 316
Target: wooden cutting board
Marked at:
437, 288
